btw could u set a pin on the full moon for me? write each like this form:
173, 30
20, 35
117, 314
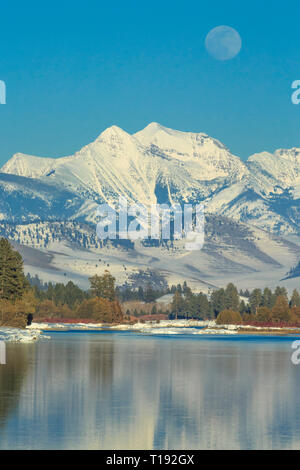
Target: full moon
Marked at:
223, 43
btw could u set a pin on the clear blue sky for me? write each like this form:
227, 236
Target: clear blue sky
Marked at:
74, 68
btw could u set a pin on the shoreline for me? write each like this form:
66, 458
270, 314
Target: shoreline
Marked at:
170, 327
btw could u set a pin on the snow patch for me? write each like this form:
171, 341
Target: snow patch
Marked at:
16, 335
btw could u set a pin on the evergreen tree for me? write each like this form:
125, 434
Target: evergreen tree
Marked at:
12, 279
281, 291
73, 294
243, 308
268, 299
295, 299
154, 310
218, 301
179, 288
245, 293
255, 300
178, 304
103, 286
203, 308
149, 295
232, 297
140, 294
186, 290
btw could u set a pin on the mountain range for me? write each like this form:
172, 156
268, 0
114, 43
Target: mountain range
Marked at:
48, 208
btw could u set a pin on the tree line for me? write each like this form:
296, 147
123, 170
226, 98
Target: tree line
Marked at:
21, 296
228, 306
18, 298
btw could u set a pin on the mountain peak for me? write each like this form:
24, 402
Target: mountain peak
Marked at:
111, 131
27, 165
155, 126
166, 139
153, 129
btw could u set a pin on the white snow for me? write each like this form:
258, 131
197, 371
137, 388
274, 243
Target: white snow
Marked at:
189, 166
164, 327
194, 165
18, 335
63, 326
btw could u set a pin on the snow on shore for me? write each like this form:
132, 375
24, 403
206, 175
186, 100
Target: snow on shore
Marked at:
166, 324
65, 326
135, 326
177, 327
186, 331
16, 335
164, 327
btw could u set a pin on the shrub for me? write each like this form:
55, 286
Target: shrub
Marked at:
228, 317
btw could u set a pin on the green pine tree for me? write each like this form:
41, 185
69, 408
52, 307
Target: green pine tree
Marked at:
103, 286
281, 291
218, 301
178, 304
295, 299
232, 297
12, 279
255, 300
268, 299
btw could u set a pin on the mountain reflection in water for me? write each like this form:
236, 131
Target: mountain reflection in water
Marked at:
124, 391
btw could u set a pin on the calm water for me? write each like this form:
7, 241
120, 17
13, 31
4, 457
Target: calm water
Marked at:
125, 391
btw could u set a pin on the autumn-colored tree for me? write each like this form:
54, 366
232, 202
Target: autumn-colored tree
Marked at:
295, 312
46, 309
249, 318
280, 311
228, 317
264, 314
15, 313
103, 286
64, 311
99, 309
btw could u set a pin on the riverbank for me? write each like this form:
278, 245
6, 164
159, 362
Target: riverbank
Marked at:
195, 327
37, 331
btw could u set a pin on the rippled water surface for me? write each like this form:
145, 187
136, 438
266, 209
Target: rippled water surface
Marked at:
120, 390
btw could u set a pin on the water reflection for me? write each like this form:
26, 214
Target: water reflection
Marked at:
11, 381
119, 391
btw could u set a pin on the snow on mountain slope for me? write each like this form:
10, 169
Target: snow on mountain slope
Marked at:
206, 157
161, 165
114, 164
246, 256
28, 165
27, 199
283, 166
118, 163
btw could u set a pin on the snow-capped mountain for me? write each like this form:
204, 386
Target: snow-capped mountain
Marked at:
159, 165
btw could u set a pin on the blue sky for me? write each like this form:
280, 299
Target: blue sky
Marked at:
74, 68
